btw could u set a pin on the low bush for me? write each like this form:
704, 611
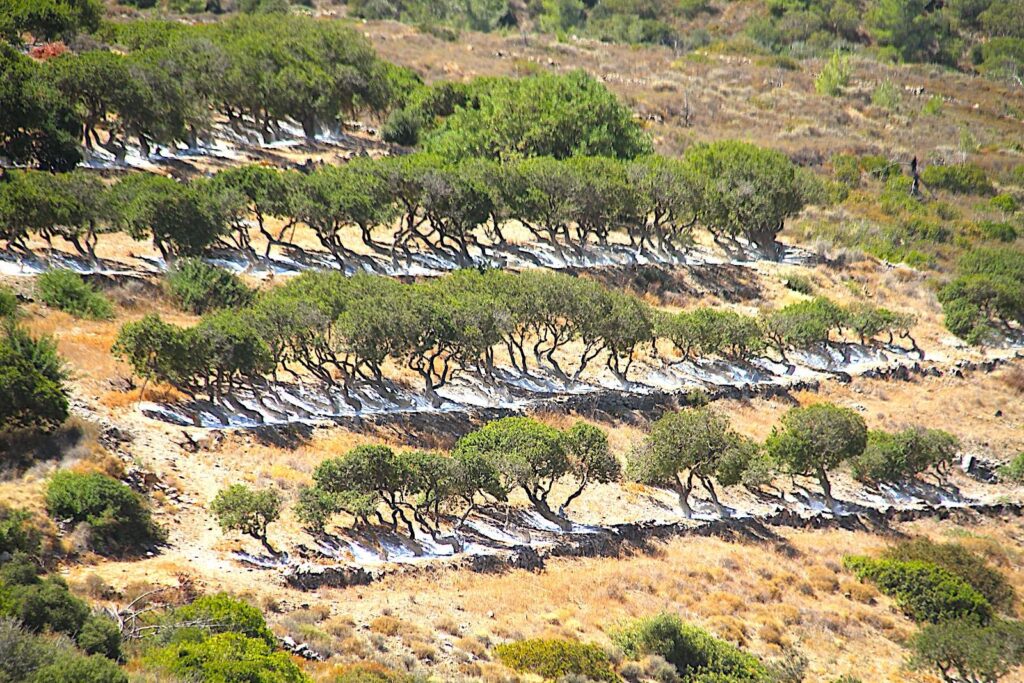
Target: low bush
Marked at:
32, 376
197, 287
118, 518
17, 532
226, 658
1005, 202
695, 653
8, 303
67, 291
998, 231
371, 672
962, 562
1013, 470
958, 178
924, 591
552, 659
221, 613
74, 668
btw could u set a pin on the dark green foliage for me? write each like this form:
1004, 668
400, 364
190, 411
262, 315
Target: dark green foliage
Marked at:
803, 324
710, 332
817, 438
744, 191
67, 291
118, 517
221, 613
100, 635
546, 115
17, 532
50, 19
696, 654
959, 179
8, 303
926, 592
552, 659
228, 658
966, 650
912, 31
962, 562
37, 125
240, 508
986, 295
687, 446
198, 287
890, 458
32, 376
78, 669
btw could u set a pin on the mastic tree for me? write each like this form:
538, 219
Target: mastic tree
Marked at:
590, 458
239, 508
38, 126
684, 446
964, 650
526, 455
178, 218
815, 439
744, 191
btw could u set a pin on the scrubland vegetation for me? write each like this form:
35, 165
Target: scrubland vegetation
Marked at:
564, 194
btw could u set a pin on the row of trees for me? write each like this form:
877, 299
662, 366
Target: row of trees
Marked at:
341, 330
165, 82
736, 190
434, 493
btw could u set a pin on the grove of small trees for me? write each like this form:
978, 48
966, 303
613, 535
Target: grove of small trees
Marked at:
427, 202
341, 330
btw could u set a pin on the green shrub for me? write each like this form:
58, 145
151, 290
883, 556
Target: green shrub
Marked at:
846, 169
197, 287
1006, 203
17, 533
67, 291
32, 375
72, 668
695, 653
834, 76
402, 128
227, 658
117, 516
996, 230
960, 561
8, 303
100, 636
987, 293
224, 614
924, 591
1013, 470
933, 107
886, 96
553, 659
958, 178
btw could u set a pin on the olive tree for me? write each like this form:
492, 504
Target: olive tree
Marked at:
590, 459
815, 439
239, 508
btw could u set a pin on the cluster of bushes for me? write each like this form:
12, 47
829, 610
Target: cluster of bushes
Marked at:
661, 647
35, 607
985, 301
165, 81
959, 599
341, 330
117, 518
733, 189
958, 178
